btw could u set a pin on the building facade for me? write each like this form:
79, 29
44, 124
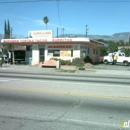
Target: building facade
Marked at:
41, 47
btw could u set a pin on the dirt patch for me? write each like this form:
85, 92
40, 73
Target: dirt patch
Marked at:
68, 67
64, 70
88, 65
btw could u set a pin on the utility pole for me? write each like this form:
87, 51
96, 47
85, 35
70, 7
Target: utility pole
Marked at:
129, 42
63, 29
57, 32
11, 32
86, 31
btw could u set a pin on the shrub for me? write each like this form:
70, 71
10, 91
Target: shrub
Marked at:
54, 59
77, 62
68, 62
87, 59
63, 62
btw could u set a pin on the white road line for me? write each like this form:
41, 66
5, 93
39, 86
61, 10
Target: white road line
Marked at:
3, 80
51, 118
7, 79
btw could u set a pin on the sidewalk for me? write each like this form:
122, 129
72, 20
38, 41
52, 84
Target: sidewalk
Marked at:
105, 72
87, 71
26, 68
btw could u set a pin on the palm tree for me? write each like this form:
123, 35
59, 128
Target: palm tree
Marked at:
46, 20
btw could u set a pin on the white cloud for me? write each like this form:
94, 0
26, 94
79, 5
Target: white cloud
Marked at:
20, 20
41, 23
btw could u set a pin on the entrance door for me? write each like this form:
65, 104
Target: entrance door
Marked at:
41, 56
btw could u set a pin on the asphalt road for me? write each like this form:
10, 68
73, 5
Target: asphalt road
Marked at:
39, 101
112, 67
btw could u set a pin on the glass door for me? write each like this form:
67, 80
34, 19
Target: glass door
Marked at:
41, 54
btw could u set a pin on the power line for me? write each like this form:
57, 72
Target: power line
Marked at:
22, 1
58, 12
26, 1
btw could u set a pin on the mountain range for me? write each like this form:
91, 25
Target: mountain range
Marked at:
115, 37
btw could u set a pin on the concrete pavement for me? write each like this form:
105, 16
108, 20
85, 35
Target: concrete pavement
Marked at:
28, 104
95, 70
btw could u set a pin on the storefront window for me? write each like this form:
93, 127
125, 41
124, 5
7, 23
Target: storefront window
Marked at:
97, 52
94, 51
88, 50
83, 53
60, 53
54, 53
41, 50
65, 53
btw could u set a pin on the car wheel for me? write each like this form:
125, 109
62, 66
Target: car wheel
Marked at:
126, 63
105, 62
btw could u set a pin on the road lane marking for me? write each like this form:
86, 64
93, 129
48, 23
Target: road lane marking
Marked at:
3, 80
51, 118
65, 93
7, 79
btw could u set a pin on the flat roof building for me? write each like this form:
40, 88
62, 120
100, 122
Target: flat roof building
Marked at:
44, 46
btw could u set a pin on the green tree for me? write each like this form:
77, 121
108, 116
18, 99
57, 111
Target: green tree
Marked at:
8, 29
126, 51
46, 20
7, 47
121, 43
5, 29
112, 46
103, 51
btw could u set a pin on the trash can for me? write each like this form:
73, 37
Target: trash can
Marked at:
1, 61
30, 60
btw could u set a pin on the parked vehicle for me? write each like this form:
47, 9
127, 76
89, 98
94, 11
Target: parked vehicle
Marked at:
101, 59
1, 59
19, 56
5, 58
122, 59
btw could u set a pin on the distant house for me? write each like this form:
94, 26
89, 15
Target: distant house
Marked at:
123, 47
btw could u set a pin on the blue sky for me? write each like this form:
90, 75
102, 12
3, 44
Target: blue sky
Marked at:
102, 18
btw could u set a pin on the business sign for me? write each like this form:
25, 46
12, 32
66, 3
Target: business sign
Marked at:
62, 40
60, 46
23, 40
40, 34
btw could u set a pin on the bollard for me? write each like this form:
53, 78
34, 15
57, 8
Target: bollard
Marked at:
58, 64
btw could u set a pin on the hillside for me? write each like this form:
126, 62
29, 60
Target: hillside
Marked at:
116, 36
